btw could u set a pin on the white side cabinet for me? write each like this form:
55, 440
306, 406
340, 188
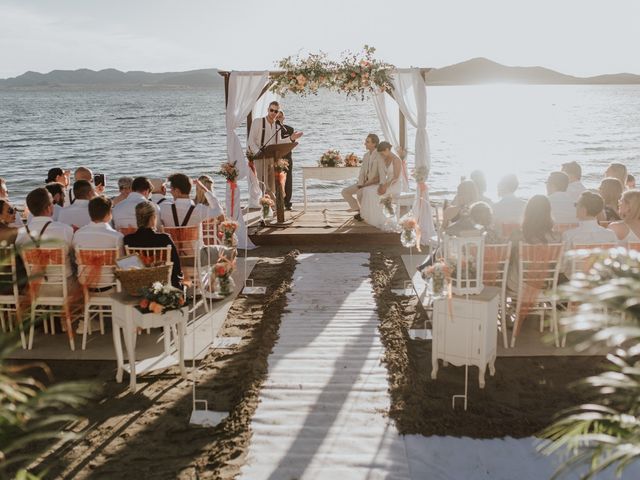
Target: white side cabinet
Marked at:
466, 335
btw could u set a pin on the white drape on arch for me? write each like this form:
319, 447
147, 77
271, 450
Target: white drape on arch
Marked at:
244, 90
410, 98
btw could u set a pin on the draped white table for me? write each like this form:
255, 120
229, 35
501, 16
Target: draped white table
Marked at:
127, 319
326, 173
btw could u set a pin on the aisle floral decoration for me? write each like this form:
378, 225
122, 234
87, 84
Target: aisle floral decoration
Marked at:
440, 275
267, 204
331, 158
388, 208
160, 298
355, 74
352, 160
409, 236
230, 173
227, 231
222, 271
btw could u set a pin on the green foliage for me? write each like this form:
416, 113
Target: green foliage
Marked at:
355, 74
33, 416
605, 432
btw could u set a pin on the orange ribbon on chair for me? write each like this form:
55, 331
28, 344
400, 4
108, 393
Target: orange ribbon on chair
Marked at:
232, 185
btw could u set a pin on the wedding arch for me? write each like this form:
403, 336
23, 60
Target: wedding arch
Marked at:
399, 96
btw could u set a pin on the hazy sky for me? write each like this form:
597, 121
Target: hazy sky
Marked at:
580, 37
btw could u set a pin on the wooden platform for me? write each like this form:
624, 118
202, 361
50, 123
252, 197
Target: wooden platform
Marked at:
327, 224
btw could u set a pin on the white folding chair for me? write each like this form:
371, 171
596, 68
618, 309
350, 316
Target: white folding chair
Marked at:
10, 300
539, 267
495, 270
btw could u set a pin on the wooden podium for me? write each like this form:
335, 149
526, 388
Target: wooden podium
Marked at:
269, 155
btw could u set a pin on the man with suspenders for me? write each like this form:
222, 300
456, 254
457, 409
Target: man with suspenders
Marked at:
183, 212
262, 133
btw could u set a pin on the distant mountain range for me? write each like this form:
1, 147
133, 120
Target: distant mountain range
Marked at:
472, 72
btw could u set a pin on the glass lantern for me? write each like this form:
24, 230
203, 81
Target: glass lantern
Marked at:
464, 254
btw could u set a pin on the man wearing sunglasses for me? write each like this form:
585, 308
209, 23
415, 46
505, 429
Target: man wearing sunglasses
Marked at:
265, 131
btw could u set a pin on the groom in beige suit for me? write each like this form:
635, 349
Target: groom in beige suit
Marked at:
369, 175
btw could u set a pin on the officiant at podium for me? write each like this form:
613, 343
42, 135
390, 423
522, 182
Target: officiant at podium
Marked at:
264, 132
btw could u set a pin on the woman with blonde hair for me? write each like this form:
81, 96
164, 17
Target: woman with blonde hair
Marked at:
610, 190
207, 181
628, 229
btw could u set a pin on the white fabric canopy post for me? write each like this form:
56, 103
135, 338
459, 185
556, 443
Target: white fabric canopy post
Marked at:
244, 90
410, 94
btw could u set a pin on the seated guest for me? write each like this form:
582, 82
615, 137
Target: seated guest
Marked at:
628, 230
57, 191
8, 235
588, 231
42, 229
537, 222
481, 214
77, 215
4, 191
98, 233
147, 237
574, 172
610, 190
631, 182
81, 173
124, 187
563, 209
58, 175
159, 192
617, 170
182, 211
509, 208
207, 181
477, 177
124, 214
466, 195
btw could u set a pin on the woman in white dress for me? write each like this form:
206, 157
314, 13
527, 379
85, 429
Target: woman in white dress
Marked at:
390, 184
628, 229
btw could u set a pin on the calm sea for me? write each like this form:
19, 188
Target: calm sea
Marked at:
528, 130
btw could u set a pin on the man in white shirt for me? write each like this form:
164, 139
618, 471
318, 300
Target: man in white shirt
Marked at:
42, 229
77, 215
509, 209
575, 187
182, 211
588, 232
563, 207
124, 214
266, 131
369, 175
99, 233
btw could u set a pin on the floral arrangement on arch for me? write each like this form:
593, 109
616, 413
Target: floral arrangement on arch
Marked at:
160, 298
331, 158
228, 171
355, 74
352, 160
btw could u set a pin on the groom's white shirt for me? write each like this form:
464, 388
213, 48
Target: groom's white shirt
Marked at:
370, 167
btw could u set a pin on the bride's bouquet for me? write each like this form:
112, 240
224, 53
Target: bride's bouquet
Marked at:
388, 208
331, 158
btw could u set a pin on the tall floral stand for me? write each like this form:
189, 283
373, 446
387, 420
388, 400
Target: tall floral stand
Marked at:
272, 153
281, 178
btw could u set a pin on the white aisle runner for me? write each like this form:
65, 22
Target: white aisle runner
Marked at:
322, 408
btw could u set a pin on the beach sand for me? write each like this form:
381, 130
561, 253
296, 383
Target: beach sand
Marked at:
147, 435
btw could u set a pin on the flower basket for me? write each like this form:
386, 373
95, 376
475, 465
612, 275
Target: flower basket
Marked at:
134, 281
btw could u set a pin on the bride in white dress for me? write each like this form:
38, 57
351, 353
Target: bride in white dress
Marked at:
390, 184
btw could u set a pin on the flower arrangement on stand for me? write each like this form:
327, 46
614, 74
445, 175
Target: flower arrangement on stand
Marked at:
267, 204
408, 233
227, 230
352, 160
222, 271
388, 208
440, 275
331, 158
159, 298
230, 173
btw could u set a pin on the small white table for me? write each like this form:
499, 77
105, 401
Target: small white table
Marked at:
128, 319
326, 173
467, 335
